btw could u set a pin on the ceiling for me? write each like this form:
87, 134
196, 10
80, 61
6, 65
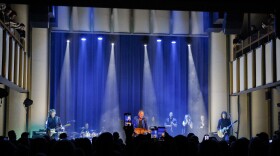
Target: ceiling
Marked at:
268, 6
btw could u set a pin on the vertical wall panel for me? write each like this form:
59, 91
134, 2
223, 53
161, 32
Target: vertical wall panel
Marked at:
242, 74
278, 58
276, 100
63, 18
244, 122
197, 23
234, 76
22, 68
160, 21
1, 48
7, 52
250, 70
218, 96
234, 112
268, 63
141, 21
39, 78
17, 64
2, 112
260, 118
81, 18
101, 19
26, 71
121, 20
16, 115
259, 69
12, 61
181, 22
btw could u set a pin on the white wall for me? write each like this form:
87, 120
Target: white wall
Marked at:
234, 112
39, 78
16, 115
218, 78
244, 122
2, 109
276, 99
260, 118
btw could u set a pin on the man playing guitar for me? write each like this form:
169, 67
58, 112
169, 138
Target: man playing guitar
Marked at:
53, 124
170, 123
140, 124
224, 125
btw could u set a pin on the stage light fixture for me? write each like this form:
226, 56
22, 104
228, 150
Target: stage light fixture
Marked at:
145, 45
189, 44
100, 38
173, 42
68, 41
112, 44
27, 102
83, 39
158, 40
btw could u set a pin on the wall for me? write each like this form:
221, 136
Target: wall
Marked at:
16, 115
39, 79
276, 99
2, 109
234, 112
260, 114
244, 123
218, 97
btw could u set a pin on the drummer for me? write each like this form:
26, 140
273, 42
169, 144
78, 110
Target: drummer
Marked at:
85, 130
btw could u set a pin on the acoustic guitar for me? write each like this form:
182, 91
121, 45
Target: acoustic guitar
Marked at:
138, 131
223, 131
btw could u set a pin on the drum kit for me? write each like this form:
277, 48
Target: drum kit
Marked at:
89, 134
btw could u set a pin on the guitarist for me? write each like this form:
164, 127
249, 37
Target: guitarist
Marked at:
53, 124
140, 122
223, 123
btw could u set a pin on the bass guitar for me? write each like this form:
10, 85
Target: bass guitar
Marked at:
223, 131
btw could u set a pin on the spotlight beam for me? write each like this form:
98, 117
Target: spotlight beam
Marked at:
149, 97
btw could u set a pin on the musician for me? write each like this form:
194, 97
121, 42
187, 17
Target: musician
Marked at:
223, 123
140, 121
85, 128
187, 124
202, 122
85, 131
53, 124
170, 123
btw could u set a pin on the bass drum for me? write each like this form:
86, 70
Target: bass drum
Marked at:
86, 135
94, 134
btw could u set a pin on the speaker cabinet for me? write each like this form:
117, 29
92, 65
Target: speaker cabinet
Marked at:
232, 22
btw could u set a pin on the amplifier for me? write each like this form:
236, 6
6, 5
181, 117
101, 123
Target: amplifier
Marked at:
38, 134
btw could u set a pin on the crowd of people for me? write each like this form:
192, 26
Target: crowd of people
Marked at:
8, 16
111, 144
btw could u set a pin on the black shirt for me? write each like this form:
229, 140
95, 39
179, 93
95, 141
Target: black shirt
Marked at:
53, 122
140, 125
224, 123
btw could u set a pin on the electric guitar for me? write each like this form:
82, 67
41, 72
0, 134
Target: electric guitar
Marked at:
54, 130
223, 131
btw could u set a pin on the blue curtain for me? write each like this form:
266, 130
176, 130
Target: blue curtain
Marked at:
79, 72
